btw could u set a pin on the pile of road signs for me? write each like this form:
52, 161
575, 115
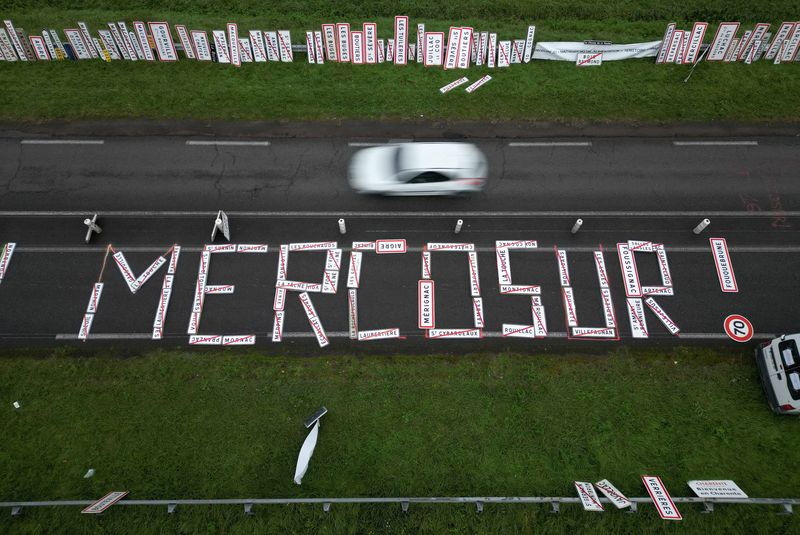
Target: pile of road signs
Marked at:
640, 296
683, 46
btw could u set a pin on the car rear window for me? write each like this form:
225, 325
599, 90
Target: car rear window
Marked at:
789, 354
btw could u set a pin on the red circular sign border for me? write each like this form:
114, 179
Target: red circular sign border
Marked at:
735, 338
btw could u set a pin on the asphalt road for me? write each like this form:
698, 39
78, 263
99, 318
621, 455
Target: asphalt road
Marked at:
155, 192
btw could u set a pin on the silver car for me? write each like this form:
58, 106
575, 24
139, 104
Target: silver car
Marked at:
419, 169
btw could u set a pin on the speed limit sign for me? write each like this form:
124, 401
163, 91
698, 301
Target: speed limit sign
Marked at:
738, 328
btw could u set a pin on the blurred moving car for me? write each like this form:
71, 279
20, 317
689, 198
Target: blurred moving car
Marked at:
419, 169
779, 367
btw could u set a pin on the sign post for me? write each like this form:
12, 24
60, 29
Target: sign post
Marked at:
221, 224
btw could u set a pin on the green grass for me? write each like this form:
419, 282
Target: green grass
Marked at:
628, 91
189, 425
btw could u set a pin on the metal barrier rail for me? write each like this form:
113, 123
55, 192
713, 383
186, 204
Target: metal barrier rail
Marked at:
786, 504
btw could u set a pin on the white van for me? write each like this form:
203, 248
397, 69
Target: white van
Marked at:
779, 367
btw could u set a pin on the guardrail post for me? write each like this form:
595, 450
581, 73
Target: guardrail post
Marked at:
326, 506
404, 505
555, 507
171, 507
709, 507
701, 226
16, 510
633, 508
786, 509
248, 509
479, 506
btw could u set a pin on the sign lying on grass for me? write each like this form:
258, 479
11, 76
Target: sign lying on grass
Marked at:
105, 502
716, 488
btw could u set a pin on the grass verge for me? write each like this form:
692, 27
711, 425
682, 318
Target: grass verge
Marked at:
628, 91
174, 424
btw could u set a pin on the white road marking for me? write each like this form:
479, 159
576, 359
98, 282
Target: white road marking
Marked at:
760, 249
587, 249
399, 214
365, 144
715, 143
62, 142
203, 142
345, 334
550, 144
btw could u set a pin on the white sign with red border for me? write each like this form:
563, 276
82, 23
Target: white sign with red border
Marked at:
492, 52
722, 260
257, 42
477, 312
354, 270
464, 45
426, 318
504, 54
439, 334
716, 488
695, 40
277, 326
630, 274
452, 85
343, 41
78, 46
271, 42
39, 47
588, 496
329, 31
480, 82
661, 498
313, 320
726, 31
588, 59
352, 312
165, 47
738, 328
313, 246
529, 44
239, 340
390, 246
451, 57
299, 286
665, 42
401, 40
613, 494
221, 46
661, 315
205, 339
371, 42
519, 331
636, 318
434, 47
105, 502
780, 37
285, 45
378, 334
200, 40
140, 30
357, 47
94, 298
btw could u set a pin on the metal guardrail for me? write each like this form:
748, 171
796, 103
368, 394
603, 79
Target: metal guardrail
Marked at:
786, 504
